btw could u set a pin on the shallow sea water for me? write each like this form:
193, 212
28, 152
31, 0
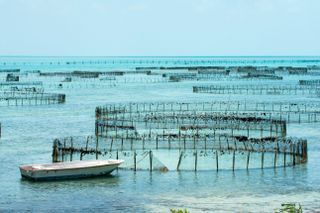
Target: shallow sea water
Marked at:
27, 134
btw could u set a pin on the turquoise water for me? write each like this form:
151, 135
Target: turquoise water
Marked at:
27, 134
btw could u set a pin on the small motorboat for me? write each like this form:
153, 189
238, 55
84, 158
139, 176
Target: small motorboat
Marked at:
69, 170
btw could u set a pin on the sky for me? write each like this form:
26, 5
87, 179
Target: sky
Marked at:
159, 28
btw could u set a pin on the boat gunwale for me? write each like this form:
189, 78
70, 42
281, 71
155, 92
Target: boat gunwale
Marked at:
30, 168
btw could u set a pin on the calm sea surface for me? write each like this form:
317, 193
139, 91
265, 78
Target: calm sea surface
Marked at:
27, 134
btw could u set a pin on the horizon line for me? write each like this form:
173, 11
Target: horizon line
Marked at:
162, 56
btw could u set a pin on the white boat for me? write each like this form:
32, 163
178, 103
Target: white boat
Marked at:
67, 170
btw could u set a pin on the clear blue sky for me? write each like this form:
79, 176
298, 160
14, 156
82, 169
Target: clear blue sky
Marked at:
162, 27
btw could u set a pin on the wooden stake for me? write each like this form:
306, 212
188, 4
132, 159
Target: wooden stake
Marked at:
275, 159
97, 145
217, 161
262, 159
150, 160
55, 152
233, 159
134, 161
284, 158
157, 142
71, 149
195, 160
179, 162
248, 159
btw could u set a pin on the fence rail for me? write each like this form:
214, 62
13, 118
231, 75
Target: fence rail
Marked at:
291, 112
30, 98
292, 151
259, 89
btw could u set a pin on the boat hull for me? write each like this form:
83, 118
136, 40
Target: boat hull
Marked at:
67, 173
